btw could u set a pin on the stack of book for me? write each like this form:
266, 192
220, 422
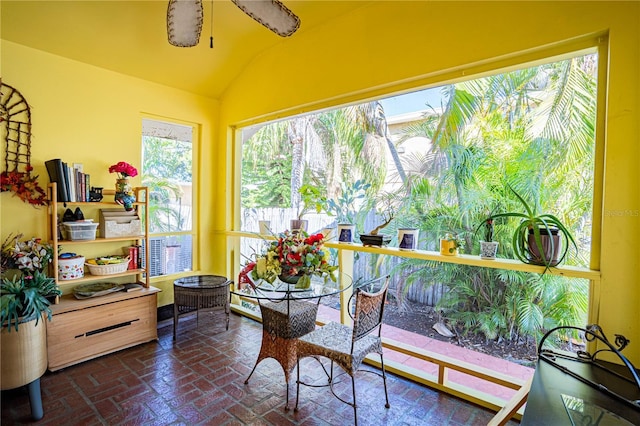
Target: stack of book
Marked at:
73, 184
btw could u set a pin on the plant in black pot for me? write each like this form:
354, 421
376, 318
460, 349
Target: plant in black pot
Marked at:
539, 239
23, 302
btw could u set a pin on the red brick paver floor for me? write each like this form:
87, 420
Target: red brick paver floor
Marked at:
199, 380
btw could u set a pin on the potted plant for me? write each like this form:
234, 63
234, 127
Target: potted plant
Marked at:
539, 239
23, 302
488, 247
450, 243
310, 200
375, 239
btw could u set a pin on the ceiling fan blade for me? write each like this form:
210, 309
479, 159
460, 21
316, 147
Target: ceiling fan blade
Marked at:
184, 22
272, 14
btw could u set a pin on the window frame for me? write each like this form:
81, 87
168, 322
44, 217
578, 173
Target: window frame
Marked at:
194, 231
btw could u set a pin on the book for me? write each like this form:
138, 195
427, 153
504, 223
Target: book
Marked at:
87, 187
78, 173
67, 182
129, 287
56, 174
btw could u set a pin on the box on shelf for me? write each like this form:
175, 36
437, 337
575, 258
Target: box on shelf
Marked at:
119, 223
79, 230
71, 268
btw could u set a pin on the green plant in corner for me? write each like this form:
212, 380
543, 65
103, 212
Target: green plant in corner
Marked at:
536, 239
24, 298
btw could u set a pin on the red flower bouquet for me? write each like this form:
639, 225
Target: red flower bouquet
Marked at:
124, 170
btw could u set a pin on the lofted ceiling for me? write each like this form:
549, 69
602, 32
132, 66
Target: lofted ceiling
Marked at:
130, 37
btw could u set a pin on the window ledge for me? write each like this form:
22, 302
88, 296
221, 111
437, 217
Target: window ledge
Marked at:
472, 260
461, 259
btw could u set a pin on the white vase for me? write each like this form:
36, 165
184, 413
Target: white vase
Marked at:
488, 249
328, 233
264, 227
408, 238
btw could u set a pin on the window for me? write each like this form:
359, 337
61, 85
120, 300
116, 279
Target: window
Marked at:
167, 170
439, 160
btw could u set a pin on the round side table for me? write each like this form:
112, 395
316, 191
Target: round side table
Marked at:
200, 292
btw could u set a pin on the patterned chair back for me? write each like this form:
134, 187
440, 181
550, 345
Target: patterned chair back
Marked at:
369, 308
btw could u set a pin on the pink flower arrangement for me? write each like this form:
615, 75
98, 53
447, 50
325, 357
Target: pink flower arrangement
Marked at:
124, 170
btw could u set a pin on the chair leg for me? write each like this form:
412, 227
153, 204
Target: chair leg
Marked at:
297, 384
355, 405
384, 380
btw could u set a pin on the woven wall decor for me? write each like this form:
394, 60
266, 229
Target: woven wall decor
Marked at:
15, 125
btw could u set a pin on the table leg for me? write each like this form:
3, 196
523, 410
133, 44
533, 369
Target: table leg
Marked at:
175, 319
35, 399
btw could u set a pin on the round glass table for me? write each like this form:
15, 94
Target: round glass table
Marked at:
200, 292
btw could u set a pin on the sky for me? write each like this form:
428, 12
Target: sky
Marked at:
411, 102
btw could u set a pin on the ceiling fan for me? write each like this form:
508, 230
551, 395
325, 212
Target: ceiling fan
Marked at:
185, 17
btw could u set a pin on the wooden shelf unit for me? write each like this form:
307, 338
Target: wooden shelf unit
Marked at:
83, 329
142, 194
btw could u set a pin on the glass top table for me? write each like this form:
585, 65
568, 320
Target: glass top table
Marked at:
280, 291
287, 314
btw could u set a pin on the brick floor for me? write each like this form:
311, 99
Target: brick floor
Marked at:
199, 380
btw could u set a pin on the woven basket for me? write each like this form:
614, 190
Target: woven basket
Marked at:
110, 269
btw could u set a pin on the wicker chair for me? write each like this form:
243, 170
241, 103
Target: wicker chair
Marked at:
348, 346
283, 322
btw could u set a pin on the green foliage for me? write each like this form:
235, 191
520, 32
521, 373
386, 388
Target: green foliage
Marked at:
167, 158
25, 298
166, 164
165, 214
349, 205
535, 125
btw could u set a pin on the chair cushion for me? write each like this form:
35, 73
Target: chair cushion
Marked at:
334, 342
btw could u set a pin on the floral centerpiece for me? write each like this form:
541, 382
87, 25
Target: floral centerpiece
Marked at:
124, 194
294, 257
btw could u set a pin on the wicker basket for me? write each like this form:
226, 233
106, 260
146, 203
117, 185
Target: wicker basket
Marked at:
110, 269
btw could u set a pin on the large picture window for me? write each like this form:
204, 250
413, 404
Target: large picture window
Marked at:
167, 155
441, 160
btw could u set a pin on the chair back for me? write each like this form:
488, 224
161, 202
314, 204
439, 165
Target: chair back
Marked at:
369, 308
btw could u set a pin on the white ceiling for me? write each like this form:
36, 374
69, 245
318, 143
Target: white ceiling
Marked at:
130, 37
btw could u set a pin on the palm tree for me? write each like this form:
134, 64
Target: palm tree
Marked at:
524, 125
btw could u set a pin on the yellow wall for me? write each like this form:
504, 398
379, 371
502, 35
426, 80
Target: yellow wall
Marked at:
392, 46
89, 115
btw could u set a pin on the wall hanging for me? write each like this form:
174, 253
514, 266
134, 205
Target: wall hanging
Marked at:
15, 120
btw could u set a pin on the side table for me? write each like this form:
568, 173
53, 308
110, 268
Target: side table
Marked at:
200, 292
